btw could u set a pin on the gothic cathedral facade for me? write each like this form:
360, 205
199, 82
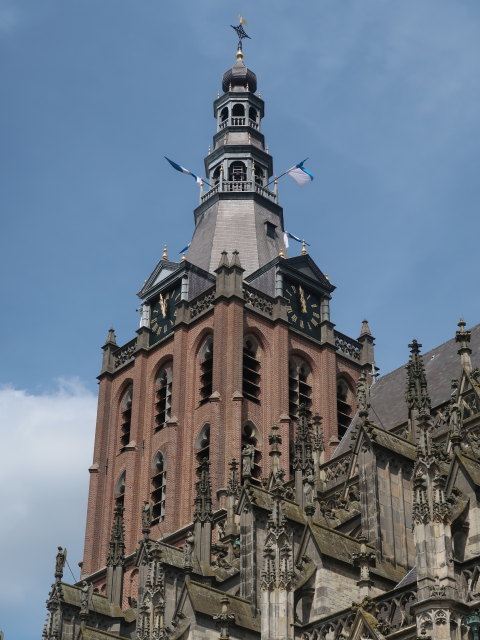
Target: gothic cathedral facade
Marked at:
251, 478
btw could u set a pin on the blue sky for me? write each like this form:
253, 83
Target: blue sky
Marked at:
381, 95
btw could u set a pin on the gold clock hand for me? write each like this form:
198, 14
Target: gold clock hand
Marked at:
163, 306
303, 304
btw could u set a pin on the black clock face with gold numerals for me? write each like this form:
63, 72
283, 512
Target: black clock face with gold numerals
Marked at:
162, 314
303, 308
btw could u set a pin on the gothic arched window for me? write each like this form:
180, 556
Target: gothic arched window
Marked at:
163, 396
159, 487
206, 370
202, 444
299, 386
251, 369
120, 490
237, 172
126, 416
344, 407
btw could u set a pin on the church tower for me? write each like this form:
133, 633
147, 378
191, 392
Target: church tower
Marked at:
234, 338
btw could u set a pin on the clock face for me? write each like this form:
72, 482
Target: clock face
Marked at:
162, 315
303, 308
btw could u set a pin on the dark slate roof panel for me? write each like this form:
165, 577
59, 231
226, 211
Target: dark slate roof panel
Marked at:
387, 396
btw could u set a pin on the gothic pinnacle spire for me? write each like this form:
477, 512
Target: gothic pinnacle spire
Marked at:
416, 393
462, 337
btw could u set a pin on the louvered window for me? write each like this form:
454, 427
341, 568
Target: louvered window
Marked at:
163, 397
206, 370
126, 416
299, 387
344, 407
251, 370
159, 488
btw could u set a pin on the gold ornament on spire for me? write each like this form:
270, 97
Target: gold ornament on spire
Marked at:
304, 248
164, 254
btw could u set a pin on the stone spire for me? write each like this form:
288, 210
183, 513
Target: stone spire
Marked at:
303, 462
462, 338
151, 610
116, 557
203, 514
416, 393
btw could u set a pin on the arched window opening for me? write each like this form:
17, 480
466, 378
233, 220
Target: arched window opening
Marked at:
203, 444
120, 490
344, 407
251, 370
251, 456
259, 175
238, 115
216, 175
253, 115
206, 370
237, 172
299, 387
163, 396
224, 114
126, 416
159, 487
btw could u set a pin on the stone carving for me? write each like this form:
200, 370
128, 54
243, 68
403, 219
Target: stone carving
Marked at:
347, 346
85, 594
203, 500
258, 301
201, 304
60, 561
125, 353
146, 517
224, 619
248, 454
308, 488
188, 551
116, 547
416, 393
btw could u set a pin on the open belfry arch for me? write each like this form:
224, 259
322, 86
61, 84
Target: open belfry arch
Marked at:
251, 477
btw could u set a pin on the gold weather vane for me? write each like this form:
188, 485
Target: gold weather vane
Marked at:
240, 31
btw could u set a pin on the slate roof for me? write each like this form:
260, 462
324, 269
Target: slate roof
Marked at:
207, 601
387, 396
99, 603
89, 633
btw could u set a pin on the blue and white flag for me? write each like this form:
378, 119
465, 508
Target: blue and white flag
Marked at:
287, 235
301, 176
183, 170
185, 248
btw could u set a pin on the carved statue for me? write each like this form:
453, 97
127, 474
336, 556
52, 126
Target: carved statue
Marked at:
308, 488
248, 453
146, 516
60, 563
188, 550
84, 596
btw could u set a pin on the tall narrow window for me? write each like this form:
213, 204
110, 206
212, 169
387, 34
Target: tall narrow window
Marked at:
159, 487
216, 175
120, 490
251, 370
344, 407
203, 444
126, 416
206, 370
163, 396
259, 175
299, 386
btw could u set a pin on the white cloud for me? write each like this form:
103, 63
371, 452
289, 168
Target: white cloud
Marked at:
46, 448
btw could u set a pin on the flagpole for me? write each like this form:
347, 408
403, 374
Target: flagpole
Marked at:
284, 173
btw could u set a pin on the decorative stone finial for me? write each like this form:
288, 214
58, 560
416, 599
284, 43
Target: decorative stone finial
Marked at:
116, 547
462, 337
224, 619
111, 337
365, 330
203, 500
416, 393
164, 254
304, 248
235, 259
223, 260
